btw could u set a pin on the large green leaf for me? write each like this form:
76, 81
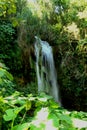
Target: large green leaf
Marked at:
33, 127
65, 118
11, 114
4, 72
53, 104
44, 97
9, 76
54, 118
24, 126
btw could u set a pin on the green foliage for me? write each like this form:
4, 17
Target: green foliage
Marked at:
3, 73
21, 126
32, 112
22, 113
9, 50
6, 83
5, 9
71, 52
6, 34
63, 23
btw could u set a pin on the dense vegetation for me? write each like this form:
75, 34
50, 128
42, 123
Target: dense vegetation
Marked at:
63, 23
34, 112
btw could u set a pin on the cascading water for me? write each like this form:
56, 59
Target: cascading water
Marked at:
45, 69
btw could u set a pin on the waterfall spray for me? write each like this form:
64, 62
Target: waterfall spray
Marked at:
45, 69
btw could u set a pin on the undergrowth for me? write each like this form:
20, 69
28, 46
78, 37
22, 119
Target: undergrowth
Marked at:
29, 112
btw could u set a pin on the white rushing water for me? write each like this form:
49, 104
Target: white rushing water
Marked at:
45, 69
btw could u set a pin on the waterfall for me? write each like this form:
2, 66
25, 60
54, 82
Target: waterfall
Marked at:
45, 69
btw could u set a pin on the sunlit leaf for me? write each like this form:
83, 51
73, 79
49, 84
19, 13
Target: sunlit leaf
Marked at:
28, 105
53, 104
24, 126
18, 109
3, 72
10, 115
33, 127
43, 97
9, 76
65, 118
54, 118
15, 22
